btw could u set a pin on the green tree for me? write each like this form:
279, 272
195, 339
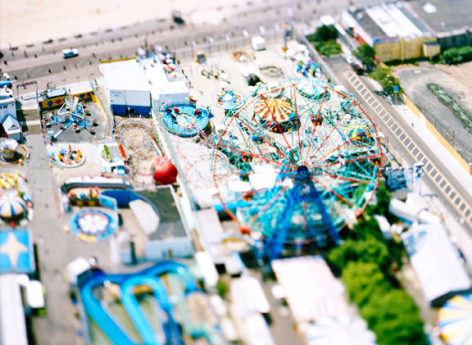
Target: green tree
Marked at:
366, 54
328, 48
367, 227
326, 33
394, 318
368, 250
363, 280
383, 201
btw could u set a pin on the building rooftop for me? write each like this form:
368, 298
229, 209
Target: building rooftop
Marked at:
443, 16
389, 20
123, 75
170, 225
159, 82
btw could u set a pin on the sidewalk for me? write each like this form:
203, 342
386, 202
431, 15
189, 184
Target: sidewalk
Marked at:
433, 143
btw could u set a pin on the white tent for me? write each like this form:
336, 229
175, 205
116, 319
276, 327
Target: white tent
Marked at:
436, 262
311, 290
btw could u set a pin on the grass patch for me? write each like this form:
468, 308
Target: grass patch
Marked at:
451, 103
386, 79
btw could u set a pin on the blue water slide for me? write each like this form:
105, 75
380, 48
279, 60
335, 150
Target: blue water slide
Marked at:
148, 276
131, 304
174, 267
95, 310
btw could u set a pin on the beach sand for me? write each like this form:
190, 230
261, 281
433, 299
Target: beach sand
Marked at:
29, 21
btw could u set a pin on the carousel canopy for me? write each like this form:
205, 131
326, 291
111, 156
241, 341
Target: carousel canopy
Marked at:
455, 320
340, 331
11, 206
269, 109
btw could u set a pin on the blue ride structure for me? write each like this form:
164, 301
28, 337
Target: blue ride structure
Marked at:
151, 278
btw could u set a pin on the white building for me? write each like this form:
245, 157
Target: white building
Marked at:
134, 86
436, 262
12, 127
12, 316
127, 89
167, 89
7, 103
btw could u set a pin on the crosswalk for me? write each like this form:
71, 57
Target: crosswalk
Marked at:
456, 200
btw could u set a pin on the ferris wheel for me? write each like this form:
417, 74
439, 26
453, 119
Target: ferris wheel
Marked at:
301, 157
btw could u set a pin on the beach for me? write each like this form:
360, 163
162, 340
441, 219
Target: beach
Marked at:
30, 21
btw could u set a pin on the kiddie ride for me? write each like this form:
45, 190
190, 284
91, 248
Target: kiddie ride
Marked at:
186, 120
71, 113
67, 157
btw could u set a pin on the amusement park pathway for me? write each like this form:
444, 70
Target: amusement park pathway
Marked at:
55, 250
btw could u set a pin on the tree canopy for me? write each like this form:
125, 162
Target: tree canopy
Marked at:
366, 54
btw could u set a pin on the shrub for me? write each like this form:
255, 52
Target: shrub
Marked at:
386, 79
328, 48
366, 54
222, 288
457, 55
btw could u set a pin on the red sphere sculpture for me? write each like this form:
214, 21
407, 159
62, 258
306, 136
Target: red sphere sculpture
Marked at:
163, 171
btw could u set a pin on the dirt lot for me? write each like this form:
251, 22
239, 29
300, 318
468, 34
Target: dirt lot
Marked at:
461, 73
453, 81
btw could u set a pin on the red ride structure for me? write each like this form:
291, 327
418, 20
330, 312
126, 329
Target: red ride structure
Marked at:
163, 171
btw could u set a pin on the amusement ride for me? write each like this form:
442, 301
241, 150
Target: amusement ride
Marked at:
72, 113
302, 158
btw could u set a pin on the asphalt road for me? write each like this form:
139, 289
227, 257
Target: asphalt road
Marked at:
438, 180
43, 58
55, 250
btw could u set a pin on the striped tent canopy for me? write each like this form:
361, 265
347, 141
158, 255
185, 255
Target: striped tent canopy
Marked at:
455, 320
269, 109
11, 206
358, 131
340, 331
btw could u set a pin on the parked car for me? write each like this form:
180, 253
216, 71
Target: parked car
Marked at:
69, 53
177, 18
357, 68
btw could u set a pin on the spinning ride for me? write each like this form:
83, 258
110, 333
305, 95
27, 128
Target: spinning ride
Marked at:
72, 113
228, 99
297, 164
185, 120
67, 157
